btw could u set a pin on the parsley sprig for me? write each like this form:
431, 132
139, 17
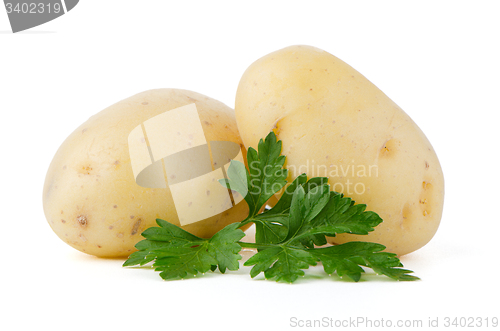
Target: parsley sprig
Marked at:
290, 237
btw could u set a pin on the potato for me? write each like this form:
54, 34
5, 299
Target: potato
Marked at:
335, 123
90, 196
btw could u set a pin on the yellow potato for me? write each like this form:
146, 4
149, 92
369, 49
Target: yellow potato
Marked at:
90, 197
335, 123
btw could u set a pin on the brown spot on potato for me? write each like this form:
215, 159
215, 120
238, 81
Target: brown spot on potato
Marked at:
115, 206
426, 198
145, 103
85, 170
208, 192
132, 217
63, 221
82, 220
406, 211
389, 147
135, 228
426, 165
276, 128
110, 227
408, 214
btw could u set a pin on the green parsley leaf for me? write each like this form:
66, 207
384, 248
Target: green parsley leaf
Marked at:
266, 176
238, 180
341, 215
224, 246
347, 259
281, 263
305, 207
271, 225
179, 254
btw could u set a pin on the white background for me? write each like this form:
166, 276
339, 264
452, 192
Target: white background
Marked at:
438, 60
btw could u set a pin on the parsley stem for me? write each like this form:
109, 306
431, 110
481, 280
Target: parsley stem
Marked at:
254, 245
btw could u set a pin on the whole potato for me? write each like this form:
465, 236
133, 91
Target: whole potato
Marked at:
90, 196
335, 123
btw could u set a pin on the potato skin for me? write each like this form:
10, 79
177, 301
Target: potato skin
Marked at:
90, 197
334, 122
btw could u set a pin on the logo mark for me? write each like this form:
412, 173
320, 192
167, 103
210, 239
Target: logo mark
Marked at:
25, 14
171, 150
